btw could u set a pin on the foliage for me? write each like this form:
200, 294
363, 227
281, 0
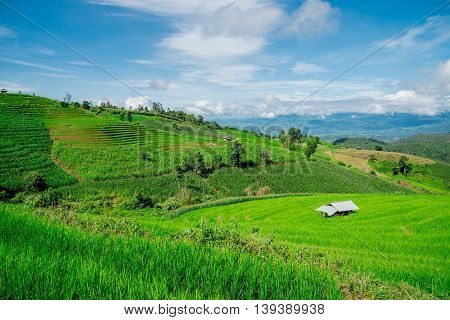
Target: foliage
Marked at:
403, 167
311, 147
35, 182
237, 152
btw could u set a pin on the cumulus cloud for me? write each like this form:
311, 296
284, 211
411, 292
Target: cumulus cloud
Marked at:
307, 68
443, 76
134, 102
314, 18
195, 43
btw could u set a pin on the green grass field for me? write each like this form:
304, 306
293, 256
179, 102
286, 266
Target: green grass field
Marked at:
395, 238
42, 260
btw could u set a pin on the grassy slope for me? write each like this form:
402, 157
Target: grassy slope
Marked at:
432, 146
396, 238
41, 260
25, 143
427, 175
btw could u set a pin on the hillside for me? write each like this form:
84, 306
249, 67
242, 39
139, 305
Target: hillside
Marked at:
432, 146
97, 186
97, 145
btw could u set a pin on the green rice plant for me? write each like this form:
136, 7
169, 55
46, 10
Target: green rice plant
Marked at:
42, 260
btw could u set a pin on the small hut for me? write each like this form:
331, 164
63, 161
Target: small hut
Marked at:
228, 138
337, 208
4, 91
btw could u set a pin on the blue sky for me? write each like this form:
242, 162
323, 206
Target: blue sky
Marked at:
231, 58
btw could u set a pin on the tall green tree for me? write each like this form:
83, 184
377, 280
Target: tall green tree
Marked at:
237, 151
311, 147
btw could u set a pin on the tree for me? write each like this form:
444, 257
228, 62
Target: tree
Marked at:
237, 151
199, 164
218, 161
157, 107
311, 147
67, 98
281, 134
295, 134
378, 148
122, 116
265, 157
86, 105
403, 167
129, 116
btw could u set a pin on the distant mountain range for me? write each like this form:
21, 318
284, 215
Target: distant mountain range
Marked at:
387, 127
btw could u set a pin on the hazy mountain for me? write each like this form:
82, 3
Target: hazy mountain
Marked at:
386, 127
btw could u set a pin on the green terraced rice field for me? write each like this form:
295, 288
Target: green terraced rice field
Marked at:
42, 260
395, 238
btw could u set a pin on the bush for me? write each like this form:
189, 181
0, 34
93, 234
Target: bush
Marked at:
3, 195
341, 163
140, 201
35, 183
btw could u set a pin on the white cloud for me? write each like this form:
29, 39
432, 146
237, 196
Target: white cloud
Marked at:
443, 75
6, 33
15, 87
58, 75
307, 68
234, 21
435, 31
314, 18
45, 51
197, 44
134, 102
80, 63
180, 8
159, 85
30, 64
141, 61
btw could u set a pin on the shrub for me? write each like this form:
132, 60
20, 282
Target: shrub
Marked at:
341, 163
140, 201
3, 195
35, 182
378, 148
218, 162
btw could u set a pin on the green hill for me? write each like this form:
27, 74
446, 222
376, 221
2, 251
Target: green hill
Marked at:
432, 146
